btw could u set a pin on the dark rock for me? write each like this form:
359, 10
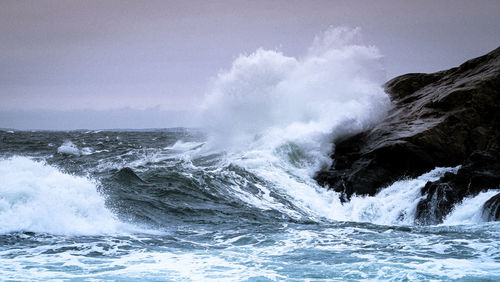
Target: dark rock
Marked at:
437, 119
409, 83
480, 172
491, 209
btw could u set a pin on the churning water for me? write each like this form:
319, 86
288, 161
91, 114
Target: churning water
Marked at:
236, 200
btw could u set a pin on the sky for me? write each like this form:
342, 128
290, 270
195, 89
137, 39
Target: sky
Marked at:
145, 64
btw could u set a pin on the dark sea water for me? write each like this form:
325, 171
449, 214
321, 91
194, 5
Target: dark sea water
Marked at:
166, 205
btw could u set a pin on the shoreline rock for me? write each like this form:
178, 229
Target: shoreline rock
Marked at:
443, 119
491, 209
480, 172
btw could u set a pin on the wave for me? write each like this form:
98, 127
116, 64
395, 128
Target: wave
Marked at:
267, 98
37, 197
278, 116
69, 148
470, 210
271, 119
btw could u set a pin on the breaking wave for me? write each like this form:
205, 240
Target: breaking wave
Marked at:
39, 198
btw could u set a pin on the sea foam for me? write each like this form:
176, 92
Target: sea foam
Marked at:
470, 210
268, 98
278, 116
38, 197
68, 148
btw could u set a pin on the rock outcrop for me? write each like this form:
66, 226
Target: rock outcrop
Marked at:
480, 172
443, 119
491, 209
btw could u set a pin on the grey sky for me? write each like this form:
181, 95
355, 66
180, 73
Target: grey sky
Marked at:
71, 60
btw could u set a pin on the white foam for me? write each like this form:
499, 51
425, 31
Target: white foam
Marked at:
185, 146
86, 151
277, 116
470, 210
38, 197
69, 148
268, 98
395, 204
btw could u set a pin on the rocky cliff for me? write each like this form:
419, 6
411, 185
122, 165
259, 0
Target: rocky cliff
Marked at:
442, 119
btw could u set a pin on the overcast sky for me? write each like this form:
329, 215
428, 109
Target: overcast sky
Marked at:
140, 64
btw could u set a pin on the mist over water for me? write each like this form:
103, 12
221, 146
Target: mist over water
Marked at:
333, 90
236, 200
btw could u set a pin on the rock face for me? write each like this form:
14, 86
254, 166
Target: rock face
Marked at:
447, 118
491, 209
480, 172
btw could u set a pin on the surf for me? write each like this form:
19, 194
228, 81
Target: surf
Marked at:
37, 197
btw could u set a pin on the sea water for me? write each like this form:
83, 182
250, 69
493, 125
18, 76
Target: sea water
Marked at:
199, 216
234, 199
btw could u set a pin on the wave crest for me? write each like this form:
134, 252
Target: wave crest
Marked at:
38, 197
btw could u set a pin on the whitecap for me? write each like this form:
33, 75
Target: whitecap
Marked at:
68, 148
38, 197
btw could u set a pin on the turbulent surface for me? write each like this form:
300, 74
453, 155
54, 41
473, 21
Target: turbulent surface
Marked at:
239, 203
158, 205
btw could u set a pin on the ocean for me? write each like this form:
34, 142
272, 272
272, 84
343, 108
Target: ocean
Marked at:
234, 199
171, 205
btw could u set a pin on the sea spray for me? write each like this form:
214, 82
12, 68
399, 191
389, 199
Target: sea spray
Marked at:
241, 205
333, 90
470, 210
39, 198
277, 116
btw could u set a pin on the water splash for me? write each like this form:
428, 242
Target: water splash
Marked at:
270, 98
470, 210
38, 197
277, 117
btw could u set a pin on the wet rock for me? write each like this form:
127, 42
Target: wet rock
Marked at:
480, 172
491, 209
437, 120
